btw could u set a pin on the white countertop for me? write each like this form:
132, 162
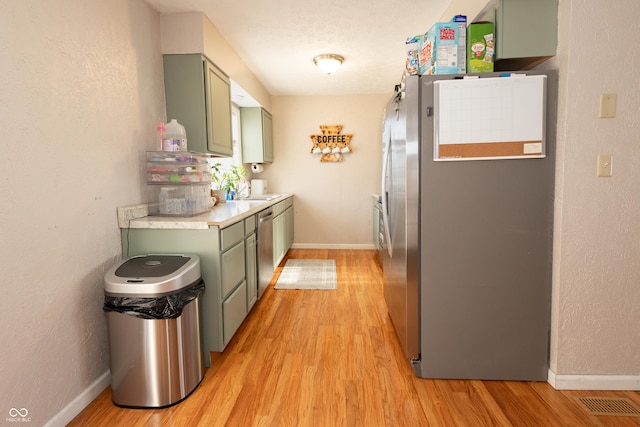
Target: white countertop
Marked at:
221, 215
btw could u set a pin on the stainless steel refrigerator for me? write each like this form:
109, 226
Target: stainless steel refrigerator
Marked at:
467, 268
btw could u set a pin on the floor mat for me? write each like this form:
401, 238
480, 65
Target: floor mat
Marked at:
308, 274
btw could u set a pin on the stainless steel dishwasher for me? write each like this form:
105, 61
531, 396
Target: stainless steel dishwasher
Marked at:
265, 249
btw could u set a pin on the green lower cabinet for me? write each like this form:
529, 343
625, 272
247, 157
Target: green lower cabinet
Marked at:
233, 268
251, 264
234, 310
222, 252
288, 228
278, 240
282, 229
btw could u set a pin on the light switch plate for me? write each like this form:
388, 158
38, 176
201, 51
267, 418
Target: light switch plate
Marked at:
604, 165
608, 105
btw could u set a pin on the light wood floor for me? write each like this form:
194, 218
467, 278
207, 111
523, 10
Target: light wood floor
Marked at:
331, 358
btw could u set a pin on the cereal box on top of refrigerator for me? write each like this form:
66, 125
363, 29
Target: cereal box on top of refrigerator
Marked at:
461, 20
439, 49
413, 46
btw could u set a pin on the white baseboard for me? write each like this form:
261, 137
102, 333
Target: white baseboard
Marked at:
368, 246
594, 382
76, 406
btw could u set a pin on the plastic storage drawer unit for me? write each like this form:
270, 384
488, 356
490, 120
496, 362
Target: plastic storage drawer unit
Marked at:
178, 182
153, 316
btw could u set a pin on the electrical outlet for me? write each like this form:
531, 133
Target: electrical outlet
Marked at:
604, 165
608, 105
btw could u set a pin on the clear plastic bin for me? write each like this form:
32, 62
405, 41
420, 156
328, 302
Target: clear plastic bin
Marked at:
180, 200
177, 167
179, 183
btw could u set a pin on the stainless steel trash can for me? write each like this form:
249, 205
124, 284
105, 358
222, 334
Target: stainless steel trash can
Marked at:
152, 304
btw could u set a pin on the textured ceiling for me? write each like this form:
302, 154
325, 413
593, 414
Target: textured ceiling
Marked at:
278, 39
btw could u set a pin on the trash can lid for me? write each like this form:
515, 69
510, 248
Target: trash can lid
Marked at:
152, 275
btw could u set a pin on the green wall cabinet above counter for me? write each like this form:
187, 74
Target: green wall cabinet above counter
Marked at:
526, 32
257, 135
198, 96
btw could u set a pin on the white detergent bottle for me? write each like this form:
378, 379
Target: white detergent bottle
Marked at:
175, 137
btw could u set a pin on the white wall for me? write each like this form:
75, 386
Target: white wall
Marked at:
597, 234
333, 206
81, 92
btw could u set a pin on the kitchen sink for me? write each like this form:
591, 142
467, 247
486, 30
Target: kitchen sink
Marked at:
260, 197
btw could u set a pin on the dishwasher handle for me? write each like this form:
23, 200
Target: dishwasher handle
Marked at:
266, 217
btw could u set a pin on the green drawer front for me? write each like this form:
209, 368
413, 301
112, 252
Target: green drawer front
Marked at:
279, 207
288, 202
231, 235
234, 310
233, 268
250, 225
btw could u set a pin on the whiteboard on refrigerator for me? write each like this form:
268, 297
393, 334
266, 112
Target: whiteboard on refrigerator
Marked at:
489, 118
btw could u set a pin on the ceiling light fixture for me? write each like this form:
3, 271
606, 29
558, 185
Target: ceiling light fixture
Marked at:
328, 63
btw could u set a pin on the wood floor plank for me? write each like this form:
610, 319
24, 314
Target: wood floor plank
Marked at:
554, 399
331, 358
473, 403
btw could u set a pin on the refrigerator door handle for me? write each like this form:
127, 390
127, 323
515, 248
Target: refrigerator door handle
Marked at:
385, 205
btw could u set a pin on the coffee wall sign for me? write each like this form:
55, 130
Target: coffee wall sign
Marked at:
331, 144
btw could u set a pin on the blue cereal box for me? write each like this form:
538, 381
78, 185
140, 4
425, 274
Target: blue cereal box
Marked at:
439, 49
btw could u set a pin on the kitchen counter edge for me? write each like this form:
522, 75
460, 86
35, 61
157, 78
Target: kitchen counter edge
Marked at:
221, 215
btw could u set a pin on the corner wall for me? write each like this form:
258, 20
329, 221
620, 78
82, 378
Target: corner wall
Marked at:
81, 92
595, 341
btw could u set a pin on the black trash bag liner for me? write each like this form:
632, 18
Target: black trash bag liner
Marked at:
163, 307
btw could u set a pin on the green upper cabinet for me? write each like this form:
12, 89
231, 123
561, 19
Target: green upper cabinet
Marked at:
198, 96
257, 135
526, 32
